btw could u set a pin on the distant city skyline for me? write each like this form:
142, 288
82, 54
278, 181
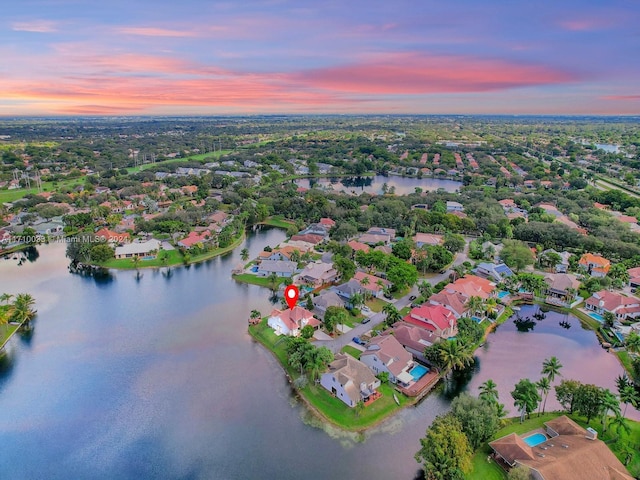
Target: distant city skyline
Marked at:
197, 57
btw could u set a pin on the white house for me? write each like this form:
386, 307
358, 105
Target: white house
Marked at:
291, 321
149, 249
350, 380
454, 207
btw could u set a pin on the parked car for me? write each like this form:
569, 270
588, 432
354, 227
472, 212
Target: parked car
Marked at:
359, 341
366, 320
412, 298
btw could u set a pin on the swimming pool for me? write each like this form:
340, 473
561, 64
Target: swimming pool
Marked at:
418, 372
476, 319
535, 439
596, 316
502, 294
620, 336
254, 268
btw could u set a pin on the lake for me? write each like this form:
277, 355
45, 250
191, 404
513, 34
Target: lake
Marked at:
157, 377
358, 185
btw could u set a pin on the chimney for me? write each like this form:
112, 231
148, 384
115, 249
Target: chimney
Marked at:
591, 434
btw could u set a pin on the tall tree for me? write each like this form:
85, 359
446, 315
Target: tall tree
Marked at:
445, 452
588, 400
545, 386
525, 397
479, 419
489, 391
610, 403
551, 368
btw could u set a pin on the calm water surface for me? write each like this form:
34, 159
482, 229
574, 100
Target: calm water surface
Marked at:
158, 378
358, 185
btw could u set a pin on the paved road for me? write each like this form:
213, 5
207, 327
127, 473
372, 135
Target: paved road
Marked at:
336, 344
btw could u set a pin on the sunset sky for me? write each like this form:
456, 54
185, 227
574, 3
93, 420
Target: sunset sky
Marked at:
140, 57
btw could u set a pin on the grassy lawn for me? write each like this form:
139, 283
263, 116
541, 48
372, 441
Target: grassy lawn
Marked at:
405, 311
376, 304
354, 352
13, 195
217, 251
256, 280
326, 404
483, 470
400, 293
278, 221
174, 257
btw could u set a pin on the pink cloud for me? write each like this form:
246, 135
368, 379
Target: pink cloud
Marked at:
155, 32
36, 26
622, 97
587, 24
420, 74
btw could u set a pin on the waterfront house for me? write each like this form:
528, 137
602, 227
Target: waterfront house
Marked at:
454, 207
194, 239
472, 286
595, 265
282, 268
310, 238
562, 289
113, 237
350, 380
422, 239
567, 452
621, 306
454, 301
147, 250
414, 339
435, 318
385, 354
291, 321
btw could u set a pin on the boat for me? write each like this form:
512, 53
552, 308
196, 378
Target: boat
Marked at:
395, 397
515, 309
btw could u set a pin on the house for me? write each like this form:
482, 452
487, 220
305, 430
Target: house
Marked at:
454, 207
318, 274
422, 239
569, 453
348, 289
472, 286
595, 265
385, 354
454, 301
291, 321
414, 339
435, 318
327, 299
195, 238
562, 289
563, 266
496, 272
310, 238
282, 268
276, 254
634, 277
621, 306
350, 380
327, 222
53, 227
357, 246
113, 237
145, 250
371, 284
374, 239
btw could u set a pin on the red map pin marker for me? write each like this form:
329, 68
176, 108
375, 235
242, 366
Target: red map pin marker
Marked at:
291, 294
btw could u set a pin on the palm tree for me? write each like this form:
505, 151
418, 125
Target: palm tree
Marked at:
475, 305
489, 391
358, 408
458, 271
544, 385
454, 355
632, 342
22, 311
356, 300
393, 315
273, 281
610, 403
620, 422
244, 254
136, 262
491, 306
364, 282
254, 315
551, 367
6, 298
425, 289
609, 319
628, 395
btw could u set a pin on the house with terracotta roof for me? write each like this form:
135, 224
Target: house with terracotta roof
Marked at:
373, 285
385, 354
436, 318
562, 289
472, 286
291, 321
595, 265
621, 306
421, 239
454, 301
350, 380
634, 277
113, 237
311, 238
327, 222
195, 238
414, 339
568, 452
357, 246
317, 274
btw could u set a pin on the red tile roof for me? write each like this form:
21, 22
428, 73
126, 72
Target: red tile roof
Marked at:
432, 317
